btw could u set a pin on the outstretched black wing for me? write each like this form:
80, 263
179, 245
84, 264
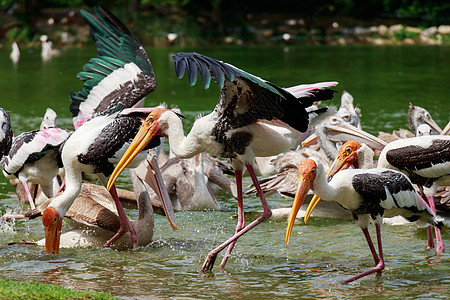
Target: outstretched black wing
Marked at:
245, 98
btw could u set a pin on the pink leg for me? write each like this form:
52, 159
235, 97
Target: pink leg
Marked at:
241, 219
27, 191
437, 231
429, 230
125, 224
372, 248
209, 261
9, 217
430, 237
380, 265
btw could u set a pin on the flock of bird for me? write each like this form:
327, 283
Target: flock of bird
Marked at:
255, 125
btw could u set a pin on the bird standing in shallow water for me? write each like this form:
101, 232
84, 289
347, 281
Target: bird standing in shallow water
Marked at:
32, 156
120, 76
368, 194
252, 118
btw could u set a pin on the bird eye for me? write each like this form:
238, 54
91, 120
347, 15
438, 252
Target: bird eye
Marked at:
346, 117
427, 115
348, 150
334, 120
54, 219
313, 171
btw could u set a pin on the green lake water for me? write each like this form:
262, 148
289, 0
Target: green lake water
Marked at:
383, 80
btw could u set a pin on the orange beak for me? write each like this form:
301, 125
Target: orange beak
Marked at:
338, 164
145, 134
302, 189
52, 225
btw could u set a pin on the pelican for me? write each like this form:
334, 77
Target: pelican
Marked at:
417, 116
253, 118
15, 53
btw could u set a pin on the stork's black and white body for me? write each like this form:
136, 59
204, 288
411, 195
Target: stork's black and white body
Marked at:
245, 123
119, 77
426, 161
368, 194
34, 157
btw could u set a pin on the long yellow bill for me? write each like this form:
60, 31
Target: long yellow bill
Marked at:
300, 195
314, 201
142, 138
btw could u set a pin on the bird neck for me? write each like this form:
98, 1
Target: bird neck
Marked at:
326, 144
182, 146
73, 187
322, 188
145, 221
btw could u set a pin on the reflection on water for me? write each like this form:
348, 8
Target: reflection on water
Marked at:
382, 80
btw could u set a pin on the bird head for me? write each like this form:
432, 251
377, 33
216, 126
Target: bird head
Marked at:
347, 157
149, 129
307, 171
52, 224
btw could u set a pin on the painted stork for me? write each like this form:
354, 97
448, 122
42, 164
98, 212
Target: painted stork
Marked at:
252, 118
50, 120
426, 161
6, 134
34, 157
120, 76
368, 194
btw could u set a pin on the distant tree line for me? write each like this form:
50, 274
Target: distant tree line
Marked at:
426, 9
219, 16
